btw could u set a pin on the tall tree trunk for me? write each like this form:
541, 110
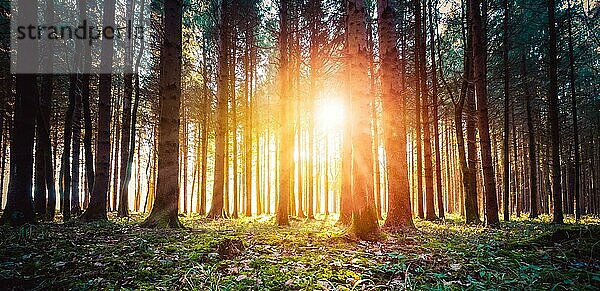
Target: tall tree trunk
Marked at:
399, 216
467, 157
315, 66
66, 180
577, 170
285, 128
76, 149
44, 174
19, 205
372, 77
422, 63
436, 131
165, 208
553, 113
123, 208
97, 208
506, 76
364, 218
248, 122
221, 130
234, 125
418, 110
205, 119
127, 143
184, 157
479, 73
533, 195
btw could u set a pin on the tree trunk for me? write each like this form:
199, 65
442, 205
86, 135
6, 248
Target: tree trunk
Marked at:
479, 74
506, 76
468, 163
234, 126
577, 158
66, 180
248, 122
436, 132
553, 113
165, 208
19, 205
364, 218
418, 111
97, 208
533, 195
44, 174
76, 139
216, 208
399, 216
285, 128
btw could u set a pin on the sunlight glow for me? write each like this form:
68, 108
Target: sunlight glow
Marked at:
331, 113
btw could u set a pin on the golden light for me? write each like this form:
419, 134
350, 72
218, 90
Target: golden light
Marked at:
331, 113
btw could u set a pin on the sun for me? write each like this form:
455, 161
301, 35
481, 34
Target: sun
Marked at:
331, 113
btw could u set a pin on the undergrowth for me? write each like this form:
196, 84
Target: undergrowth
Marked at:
255, 254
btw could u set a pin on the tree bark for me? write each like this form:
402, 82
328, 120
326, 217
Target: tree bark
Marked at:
399, 216
216, 208
553, 113
506, 77
19, 205
97, 208
479, 74
576, 156
285, 128
165, 208
436, 131
364, 218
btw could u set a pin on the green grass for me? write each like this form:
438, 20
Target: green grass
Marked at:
254, 254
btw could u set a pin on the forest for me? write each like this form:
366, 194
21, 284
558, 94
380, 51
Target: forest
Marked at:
300, 144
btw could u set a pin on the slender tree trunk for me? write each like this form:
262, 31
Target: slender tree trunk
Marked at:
315, 66
506, 69
285, 129
479, 73
88, 132
216, 208
44, 175
248, 125
66, 180
436, 132
76, 139
204, 138
123, 192
467, 161
533, 212
577, 157
115, 152
422, 63
553, 113
418, 110
97, 208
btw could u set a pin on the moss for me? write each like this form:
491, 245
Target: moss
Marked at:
308, 255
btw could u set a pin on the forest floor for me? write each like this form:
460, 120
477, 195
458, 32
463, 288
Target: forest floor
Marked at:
253, 254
